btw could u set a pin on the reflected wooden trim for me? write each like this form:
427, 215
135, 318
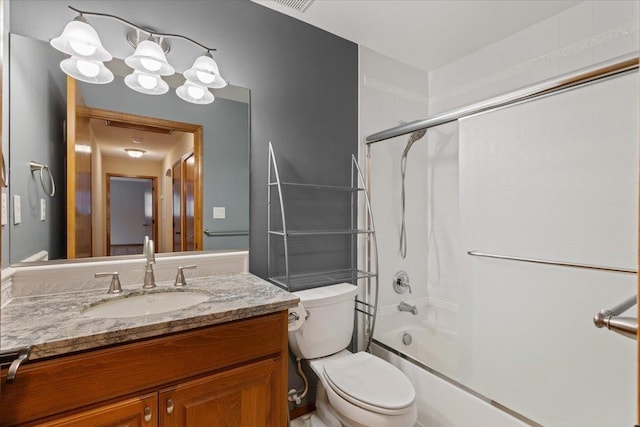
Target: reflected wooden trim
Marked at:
199, 184
136, 120
71, 167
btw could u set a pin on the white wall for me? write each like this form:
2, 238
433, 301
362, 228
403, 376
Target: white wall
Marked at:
391, 93
588, 33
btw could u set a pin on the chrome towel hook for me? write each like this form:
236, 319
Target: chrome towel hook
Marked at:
41, 167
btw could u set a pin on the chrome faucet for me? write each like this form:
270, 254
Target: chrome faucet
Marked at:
114, 287
403, 306
149, 252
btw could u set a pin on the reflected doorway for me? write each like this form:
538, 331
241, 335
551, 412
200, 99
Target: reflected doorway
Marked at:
131, 213
101, 142
183, 174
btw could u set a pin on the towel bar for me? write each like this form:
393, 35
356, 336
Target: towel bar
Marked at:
627, 326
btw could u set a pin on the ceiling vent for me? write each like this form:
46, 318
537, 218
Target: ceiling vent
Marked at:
299, 5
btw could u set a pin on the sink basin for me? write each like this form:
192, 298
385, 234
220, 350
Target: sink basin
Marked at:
142, 305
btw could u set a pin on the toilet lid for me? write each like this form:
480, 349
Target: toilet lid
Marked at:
362, 377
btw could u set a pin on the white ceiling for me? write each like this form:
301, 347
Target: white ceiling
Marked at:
424, 33
113, 140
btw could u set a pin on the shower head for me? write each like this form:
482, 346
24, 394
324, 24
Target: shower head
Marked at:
415, 136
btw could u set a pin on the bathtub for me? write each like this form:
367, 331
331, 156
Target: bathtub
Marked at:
429, 337
430, 361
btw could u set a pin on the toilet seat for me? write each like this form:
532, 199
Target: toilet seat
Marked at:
370, 383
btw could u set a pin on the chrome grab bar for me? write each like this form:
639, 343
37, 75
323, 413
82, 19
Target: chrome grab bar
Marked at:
627, 326
558, 263
611, 319
212, 233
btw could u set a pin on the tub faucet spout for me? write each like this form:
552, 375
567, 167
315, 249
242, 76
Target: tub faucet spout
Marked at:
403, 306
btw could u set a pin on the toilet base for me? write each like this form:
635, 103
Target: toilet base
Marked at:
324, 415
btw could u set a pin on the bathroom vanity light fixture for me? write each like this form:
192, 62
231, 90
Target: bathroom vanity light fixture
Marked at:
81, 41
134, 152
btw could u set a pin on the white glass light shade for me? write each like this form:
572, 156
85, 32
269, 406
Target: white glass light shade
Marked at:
134, 152
149, 58
194, 93
146, 83
86, 71
205, 72
81, 40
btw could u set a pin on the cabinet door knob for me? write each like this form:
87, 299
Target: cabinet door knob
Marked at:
169, 406
147, 414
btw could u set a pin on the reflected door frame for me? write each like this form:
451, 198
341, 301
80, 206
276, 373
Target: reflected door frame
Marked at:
182, 188
77, 111
154, 204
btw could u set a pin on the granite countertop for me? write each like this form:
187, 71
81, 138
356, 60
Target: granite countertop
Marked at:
53, 325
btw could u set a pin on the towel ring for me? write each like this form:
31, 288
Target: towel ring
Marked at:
39, 166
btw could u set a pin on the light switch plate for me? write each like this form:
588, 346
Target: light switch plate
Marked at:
3, 212
43, 209
17, 210
219, 213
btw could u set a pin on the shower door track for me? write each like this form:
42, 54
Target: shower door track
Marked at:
616, 66
457, 384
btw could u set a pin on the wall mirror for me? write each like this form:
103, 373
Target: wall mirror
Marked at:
189, 190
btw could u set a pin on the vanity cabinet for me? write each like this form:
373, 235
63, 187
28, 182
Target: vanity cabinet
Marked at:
239, 397
136, 412
232, 374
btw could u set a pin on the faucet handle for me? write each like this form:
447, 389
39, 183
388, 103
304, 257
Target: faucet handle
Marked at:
114, 287
180, 280
401, 282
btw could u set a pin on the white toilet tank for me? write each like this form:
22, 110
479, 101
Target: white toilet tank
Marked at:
329, 325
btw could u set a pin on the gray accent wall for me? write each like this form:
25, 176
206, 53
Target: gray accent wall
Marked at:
37, 94
303, 81
224, 166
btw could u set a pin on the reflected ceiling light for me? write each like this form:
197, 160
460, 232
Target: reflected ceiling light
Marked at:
86, 70
149, 58
146, 83
205, 72
194, 93
81, 148
134, 152
81, 41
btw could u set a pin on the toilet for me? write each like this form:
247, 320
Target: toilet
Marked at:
354, 389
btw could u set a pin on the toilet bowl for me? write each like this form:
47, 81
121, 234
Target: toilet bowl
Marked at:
354, 389
362, 391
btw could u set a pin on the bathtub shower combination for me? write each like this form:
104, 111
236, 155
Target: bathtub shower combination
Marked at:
521, 177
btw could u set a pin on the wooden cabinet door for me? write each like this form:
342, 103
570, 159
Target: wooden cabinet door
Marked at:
247, 396
137, 412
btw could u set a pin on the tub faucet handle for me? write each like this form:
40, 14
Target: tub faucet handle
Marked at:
401, 282
180, 280
114, 287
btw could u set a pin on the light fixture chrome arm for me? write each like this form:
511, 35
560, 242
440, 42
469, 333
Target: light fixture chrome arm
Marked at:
144, 30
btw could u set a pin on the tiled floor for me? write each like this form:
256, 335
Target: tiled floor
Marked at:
302, 421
